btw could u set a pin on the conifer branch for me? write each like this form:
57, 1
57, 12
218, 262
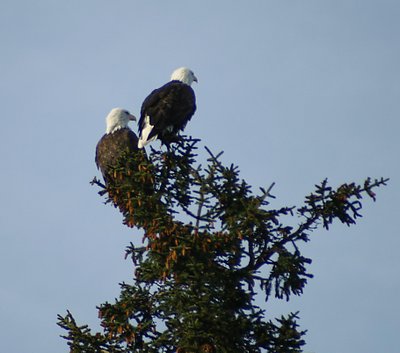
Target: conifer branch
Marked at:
195, 291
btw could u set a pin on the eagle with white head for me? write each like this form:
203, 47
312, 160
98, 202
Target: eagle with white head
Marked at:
117, 140
167, 109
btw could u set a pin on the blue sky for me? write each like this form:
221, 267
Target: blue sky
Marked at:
292, 91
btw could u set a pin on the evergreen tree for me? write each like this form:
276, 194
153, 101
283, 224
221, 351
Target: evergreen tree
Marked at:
210, 246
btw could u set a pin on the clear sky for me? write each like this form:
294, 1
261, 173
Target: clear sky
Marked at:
293, 92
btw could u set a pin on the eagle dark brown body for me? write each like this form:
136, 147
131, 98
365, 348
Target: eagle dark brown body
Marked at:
167, 109
112, 147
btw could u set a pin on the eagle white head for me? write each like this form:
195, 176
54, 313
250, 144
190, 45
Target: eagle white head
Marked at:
184, 75
117, 119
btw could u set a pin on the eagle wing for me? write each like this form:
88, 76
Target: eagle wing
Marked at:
111, 148
168, 109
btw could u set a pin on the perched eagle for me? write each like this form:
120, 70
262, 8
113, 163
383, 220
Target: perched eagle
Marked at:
167, 109
119, 138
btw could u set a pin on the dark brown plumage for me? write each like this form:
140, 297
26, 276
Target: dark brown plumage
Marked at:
167, 109
112, 147
117, 140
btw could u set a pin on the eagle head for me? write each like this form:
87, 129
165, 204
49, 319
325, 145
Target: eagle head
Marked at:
118, 119
184, 75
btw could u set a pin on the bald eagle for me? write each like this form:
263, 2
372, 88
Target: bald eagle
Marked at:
167, 109
119, 138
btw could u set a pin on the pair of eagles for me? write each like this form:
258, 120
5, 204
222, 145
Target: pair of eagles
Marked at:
164, 113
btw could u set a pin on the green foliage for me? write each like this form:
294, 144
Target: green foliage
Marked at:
196, 281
